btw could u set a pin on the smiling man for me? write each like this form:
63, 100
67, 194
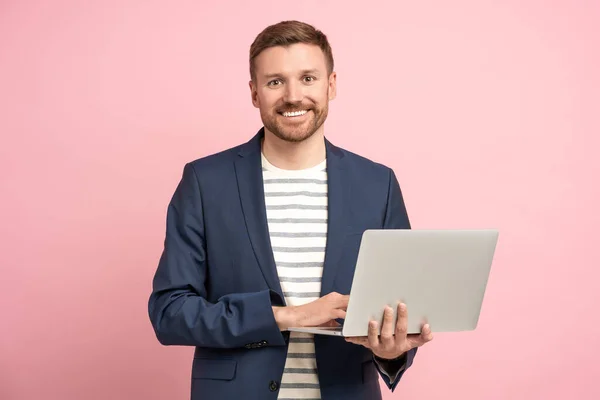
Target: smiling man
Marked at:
265, 236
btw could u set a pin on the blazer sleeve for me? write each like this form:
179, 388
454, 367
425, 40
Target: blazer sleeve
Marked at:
396, 217
178, 309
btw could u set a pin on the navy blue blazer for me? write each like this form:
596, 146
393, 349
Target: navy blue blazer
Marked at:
216, 280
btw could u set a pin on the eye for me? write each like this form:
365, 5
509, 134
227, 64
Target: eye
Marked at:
274, 82
309, 79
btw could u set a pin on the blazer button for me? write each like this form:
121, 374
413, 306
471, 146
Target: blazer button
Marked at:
273, 386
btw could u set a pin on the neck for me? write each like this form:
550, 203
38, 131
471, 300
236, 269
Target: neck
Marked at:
294, 155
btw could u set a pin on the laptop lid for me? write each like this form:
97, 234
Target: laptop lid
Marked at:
441, 275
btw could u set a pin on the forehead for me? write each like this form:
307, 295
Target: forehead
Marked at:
290, 60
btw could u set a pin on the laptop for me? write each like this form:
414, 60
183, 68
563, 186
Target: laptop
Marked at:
441, 276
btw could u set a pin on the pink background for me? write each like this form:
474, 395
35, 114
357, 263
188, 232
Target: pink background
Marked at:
487, 110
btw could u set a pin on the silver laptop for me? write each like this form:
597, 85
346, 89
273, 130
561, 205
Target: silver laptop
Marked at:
441, 276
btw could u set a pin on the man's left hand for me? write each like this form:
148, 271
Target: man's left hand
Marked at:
392, 343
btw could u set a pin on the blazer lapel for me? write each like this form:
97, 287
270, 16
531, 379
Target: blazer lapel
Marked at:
248, 169
336, 230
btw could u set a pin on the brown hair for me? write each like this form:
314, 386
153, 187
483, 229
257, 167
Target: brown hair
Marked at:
286, 33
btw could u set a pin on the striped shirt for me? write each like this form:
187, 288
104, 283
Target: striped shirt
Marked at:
296, 202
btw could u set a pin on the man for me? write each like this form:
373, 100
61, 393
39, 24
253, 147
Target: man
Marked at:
265, 236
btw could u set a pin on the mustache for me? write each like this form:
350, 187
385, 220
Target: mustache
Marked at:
289, 107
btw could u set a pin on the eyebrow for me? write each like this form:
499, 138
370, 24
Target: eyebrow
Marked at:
303, 72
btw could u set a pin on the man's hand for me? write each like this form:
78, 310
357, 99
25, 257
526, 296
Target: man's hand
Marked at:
321, 312
392, 343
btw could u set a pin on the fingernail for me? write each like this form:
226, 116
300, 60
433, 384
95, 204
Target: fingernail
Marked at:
402, 307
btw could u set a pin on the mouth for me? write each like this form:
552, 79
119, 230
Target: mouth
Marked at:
294, 114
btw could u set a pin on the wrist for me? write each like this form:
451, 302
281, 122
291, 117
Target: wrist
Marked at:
399, 358
284, 317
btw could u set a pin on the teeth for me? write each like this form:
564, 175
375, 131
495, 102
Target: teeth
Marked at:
295, 113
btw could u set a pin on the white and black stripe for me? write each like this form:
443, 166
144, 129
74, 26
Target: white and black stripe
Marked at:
296, 204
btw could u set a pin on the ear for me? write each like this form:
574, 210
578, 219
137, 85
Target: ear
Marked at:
254, 94
332, 85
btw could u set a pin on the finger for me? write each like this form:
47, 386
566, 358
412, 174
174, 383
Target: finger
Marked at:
336, 313
337, 300
343, 301
402, 322
387, 329
414, 340
419, 339
373, 338
426, 333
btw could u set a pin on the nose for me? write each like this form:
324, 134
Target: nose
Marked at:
293, 92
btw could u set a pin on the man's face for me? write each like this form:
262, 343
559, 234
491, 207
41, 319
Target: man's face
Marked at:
292, 90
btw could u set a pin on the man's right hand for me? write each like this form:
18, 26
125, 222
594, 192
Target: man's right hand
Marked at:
321, 312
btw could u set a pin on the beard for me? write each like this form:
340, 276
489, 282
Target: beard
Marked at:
291, 131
